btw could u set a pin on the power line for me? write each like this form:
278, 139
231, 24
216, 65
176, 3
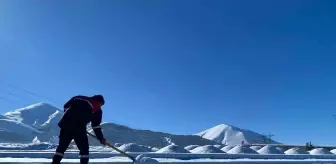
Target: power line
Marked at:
38, 96
31, 93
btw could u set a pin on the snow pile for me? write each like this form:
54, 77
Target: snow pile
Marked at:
154, 149
320, 151
36, 141
172, 149
227, 148
295, 150
256, 148
242, 150
132, 147
190, 147
333, 151
206, 149
118, 144
268, 149
142, 159
31, 146
218, 146
230, 135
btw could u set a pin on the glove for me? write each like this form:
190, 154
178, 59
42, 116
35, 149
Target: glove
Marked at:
103, 142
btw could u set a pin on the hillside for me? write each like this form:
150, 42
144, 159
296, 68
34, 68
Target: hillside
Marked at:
123, 134
230, 135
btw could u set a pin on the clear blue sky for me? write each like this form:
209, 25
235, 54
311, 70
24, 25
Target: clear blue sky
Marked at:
178, 66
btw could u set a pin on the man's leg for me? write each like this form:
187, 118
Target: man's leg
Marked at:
82, 143
65, 138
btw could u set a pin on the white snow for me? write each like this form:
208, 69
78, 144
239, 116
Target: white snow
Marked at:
230, 135
239, 149
118, 144
190, 147
26, 123
269, 149
123, 160
295, 150
219, 146
206, 149
256, 148
132, 147
36, 141
34, 115
333, 151
154, 149
172, 149
227, 148
143, 159
14, 131
320, 151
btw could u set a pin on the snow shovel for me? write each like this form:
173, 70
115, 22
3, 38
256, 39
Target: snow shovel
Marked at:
113, 147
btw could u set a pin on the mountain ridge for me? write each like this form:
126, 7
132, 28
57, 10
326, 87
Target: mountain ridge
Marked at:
40, 120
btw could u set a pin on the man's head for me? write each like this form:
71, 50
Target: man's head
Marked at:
99, 98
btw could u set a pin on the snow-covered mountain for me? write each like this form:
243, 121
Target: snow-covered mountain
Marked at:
36, 116
14, 131
41, 117
40, 120
123, 134
230, 135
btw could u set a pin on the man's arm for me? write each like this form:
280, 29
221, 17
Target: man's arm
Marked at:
95, 123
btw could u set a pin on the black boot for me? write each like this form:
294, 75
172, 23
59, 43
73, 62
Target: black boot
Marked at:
56, 159
84, 160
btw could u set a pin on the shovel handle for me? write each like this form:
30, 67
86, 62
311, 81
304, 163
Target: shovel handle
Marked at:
113, 147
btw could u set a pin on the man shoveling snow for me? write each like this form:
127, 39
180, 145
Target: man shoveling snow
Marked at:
78, 112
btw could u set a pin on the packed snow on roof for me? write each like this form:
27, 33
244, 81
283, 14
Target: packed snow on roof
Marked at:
172, 149
206, 149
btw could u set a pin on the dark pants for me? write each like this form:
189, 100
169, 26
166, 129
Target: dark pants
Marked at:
81, 140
